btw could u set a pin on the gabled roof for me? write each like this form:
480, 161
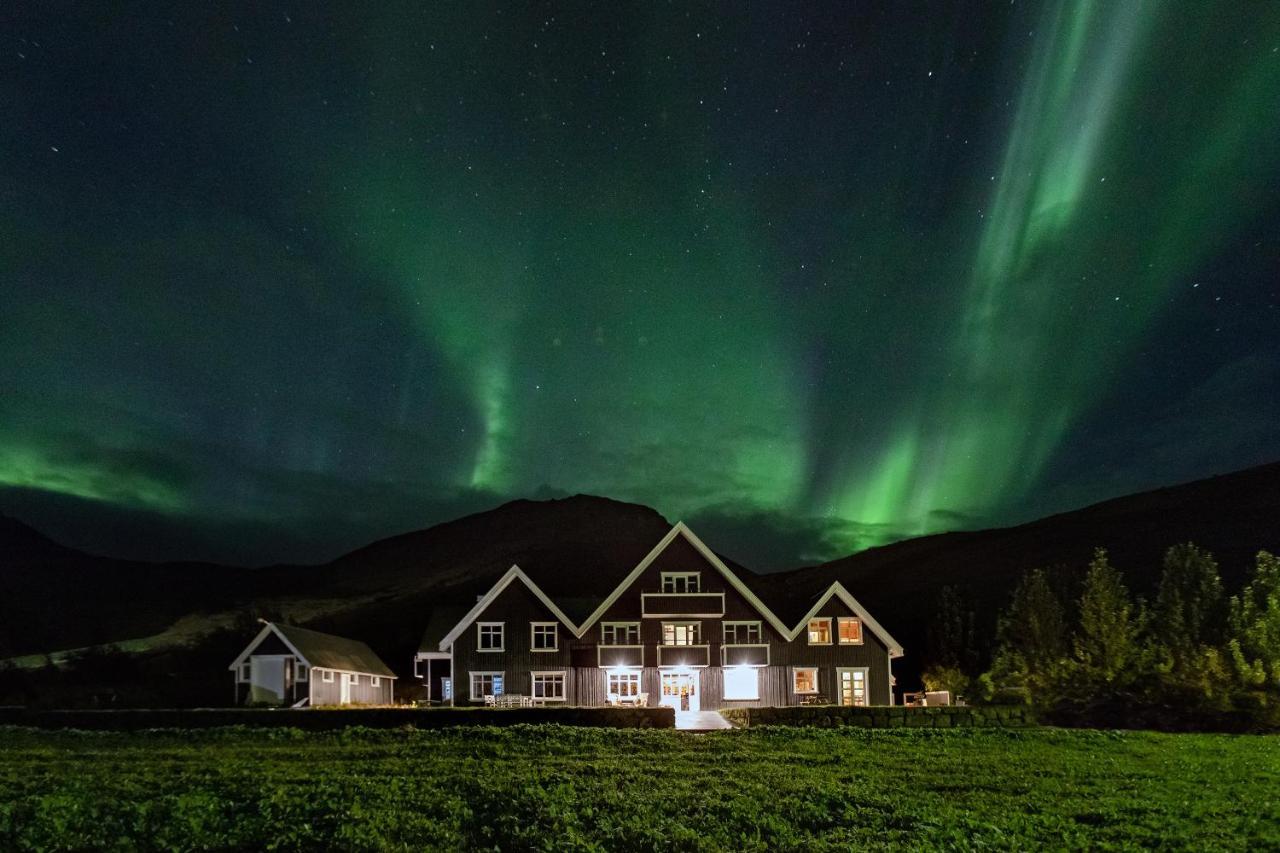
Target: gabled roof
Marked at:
323, 651
515, 573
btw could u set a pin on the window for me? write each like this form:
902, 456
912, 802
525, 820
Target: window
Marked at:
805, 679
820, 632
327, 676
624, 683
741, 682
302, 672
850, 630
741, 632
485, 684
545, 637
490, 636
853, 686
680, 581
446, 689
245, 669
354, 680
548, 685
681, 633
620, 634
374, 681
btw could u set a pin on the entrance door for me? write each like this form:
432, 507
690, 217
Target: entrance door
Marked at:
680, 690
853, 686
344, 692
266, 679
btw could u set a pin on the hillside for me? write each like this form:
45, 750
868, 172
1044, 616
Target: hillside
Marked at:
55, 598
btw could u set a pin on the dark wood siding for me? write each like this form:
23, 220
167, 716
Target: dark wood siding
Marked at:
517, 608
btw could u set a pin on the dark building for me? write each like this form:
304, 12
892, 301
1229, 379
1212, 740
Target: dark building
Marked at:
679, 628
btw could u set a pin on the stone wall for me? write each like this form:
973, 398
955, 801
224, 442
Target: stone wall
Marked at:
885, 716
322, 719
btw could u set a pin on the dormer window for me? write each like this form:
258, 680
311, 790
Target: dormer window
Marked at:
820, 632
681, 581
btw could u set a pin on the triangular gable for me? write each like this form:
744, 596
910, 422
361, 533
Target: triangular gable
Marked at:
513, 574
681, 530
837, 589
268, 628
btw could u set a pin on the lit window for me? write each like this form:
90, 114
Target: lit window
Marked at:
819, 632
850, 629
805, 679
624, 684
741, 632
681, 581
853, 687
620, 634
490, 636
485, 684
545, 637
548, 685
681, 633
327, 676
741, 682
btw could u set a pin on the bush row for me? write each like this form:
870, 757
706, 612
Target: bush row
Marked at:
885, 716
338, 718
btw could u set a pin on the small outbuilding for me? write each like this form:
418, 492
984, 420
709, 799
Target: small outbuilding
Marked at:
288, 665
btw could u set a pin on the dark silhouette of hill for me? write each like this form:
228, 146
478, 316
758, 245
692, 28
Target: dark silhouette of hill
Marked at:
54, 598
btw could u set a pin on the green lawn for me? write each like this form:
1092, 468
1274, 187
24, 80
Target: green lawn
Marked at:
556, 787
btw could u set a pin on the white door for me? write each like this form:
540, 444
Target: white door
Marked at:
344, 692
266, 679
680, 691
852, 686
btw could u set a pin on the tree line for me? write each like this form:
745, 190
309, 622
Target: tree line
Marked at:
1192, 658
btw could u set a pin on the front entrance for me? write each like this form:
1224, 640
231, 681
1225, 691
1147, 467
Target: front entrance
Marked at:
680, 690
344, 691
852, 686
267, 681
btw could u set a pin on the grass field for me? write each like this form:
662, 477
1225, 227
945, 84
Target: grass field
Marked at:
553, 787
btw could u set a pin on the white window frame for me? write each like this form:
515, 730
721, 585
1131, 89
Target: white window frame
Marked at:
502, 636
533, 636
302, 672
352, 679
326, 676
615, 627
375, 681
552, 673
697, 631
841, 640
491, 673
753, 672
674, 577
750, 626
798, 669
866, 685
809, 631
621, 678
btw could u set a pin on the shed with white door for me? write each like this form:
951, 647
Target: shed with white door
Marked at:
288, 665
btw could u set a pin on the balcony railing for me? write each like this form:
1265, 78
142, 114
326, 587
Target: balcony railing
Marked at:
607, 656
744, 654
657, 604
684, 655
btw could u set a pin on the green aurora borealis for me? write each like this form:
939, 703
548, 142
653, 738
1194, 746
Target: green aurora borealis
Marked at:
278, 281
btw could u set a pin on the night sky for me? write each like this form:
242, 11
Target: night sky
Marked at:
279, 280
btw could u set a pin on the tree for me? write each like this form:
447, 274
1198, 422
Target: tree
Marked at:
1032, 639
1254, 626
1190, 610
1106, 646
951, 638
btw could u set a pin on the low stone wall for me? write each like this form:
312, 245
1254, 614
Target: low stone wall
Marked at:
885, 716
338, 718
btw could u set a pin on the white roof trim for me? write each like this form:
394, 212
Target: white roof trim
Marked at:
513, 573
270, 628
679, 529
837, 589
